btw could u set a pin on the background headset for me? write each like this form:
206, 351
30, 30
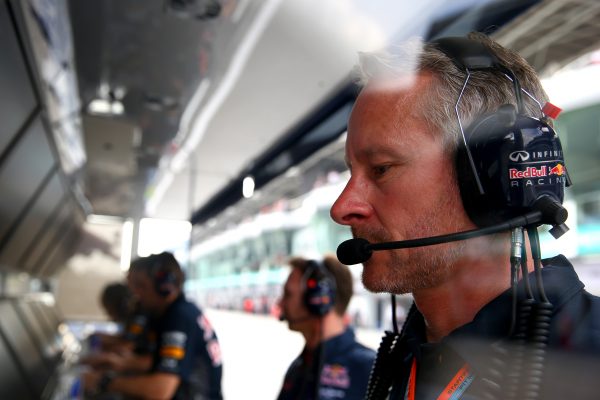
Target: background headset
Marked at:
165, 281
318, 288
506, 160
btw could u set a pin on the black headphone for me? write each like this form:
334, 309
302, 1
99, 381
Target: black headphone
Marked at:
319, 288
165, 282
507, 160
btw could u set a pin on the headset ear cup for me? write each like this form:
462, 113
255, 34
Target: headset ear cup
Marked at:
162, 272
517, 159
164, 283
490, 137
484, 138
319, 289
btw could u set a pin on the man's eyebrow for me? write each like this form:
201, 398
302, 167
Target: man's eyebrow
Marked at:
377, 150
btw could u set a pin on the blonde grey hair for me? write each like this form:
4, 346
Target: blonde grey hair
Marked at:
485, 92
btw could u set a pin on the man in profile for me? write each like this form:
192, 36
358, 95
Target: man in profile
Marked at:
186, 363
435, 136
332, 364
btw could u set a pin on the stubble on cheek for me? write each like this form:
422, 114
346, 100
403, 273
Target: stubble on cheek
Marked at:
385, 273
406, 270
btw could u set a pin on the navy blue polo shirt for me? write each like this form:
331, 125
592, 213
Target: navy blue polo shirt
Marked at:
188, 347
138, 331
572, 360
344, 366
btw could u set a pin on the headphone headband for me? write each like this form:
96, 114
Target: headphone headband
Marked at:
466, 53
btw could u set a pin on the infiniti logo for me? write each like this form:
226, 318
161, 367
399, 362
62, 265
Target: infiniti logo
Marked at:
520, 155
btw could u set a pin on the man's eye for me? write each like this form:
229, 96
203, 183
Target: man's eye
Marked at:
380, 170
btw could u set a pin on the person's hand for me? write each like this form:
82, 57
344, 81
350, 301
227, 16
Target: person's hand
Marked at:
90, 380
106, 360
93, 360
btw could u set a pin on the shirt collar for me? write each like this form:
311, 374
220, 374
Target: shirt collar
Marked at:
493, 320
560, 284
339, 343
335, 345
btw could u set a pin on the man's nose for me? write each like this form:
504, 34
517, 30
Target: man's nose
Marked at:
351, 206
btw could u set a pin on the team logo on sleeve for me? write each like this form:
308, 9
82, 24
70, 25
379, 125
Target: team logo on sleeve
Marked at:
206, 327
137, 326
214, 352
173, 345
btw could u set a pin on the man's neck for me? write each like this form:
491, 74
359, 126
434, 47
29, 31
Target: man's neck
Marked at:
455, 302
162, 308
323, 329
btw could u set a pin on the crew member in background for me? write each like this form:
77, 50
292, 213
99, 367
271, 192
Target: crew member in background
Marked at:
412, 177
131, 349
117, 302
332, 365
186, 363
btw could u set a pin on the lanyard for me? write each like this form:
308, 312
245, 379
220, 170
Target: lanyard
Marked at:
453, 390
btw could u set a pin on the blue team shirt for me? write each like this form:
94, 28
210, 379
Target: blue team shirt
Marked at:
344, 366
138, 330
188, 347
571, 363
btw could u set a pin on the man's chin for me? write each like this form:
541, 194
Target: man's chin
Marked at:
372, 279
377, 278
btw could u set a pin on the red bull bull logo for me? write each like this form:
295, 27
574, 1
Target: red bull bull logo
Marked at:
557, 170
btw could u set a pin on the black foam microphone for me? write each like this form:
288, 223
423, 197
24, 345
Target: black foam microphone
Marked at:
546, 211
354, 251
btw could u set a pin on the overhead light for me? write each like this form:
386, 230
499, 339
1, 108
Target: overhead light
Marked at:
99, 106
116, 108
108, 101
106, 107
248, 187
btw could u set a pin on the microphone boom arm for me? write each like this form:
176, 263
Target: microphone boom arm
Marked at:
531, 218
546, 210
